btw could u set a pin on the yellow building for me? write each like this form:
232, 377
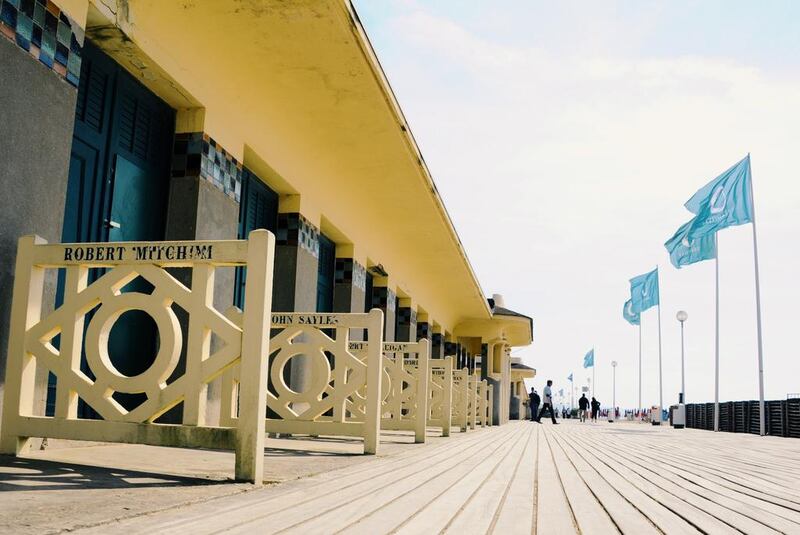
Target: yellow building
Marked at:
156, 119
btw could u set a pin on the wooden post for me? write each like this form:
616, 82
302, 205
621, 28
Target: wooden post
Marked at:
26, 310
423, 376
372, 425
255, 349
447, 401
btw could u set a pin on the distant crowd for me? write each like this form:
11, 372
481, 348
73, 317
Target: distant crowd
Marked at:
588, 409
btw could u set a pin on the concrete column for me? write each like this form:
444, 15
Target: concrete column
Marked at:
349, 291
384, 298
505, 379
484, 361
406, 321
200, 208
295, 280
437, 342
36, 123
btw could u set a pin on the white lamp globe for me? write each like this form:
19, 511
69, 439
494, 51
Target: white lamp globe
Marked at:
682, 316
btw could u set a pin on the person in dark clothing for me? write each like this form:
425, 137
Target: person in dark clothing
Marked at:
583, 405
534, 402
547, 403
595, 408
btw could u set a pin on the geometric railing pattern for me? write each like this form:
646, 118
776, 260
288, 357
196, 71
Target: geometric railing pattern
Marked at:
80, 329
461, 399
440, 388
404, 386
482, 403
473, 403
330, 390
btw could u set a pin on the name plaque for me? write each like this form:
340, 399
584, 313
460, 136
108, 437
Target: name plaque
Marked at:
331, 320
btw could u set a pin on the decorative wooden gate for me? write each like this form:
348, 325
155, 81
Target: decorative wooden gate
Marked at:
461, 392
440, 389
343, 392
83, 324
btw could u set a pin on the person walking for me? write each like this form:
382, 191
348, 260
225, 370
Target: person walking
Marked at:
595, 408
534, 403
547, 403
583, 406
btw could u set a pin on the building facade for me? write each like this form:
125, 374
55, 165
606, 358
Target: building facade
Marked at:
149, 120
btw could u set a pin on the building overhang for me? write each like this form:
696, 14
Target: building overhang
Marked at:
516, 330
520, 372
294, 90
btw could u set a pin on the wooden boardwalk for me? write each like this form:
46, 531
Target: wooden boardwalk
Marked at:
528, 478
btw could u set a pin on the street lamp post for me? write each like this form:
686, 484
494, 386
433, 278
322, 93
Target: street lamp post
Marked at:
682, 316
613, 414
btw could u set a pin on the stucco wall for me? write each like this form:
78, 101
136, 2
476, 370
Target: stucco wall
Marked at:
37, 110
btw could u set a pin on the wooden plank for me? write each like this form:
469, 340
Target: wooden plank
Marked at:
589, 514
657, 505
553, 513
735, 506
478, 512
257, 504
331, 512
515, 512
626, 517
699, 509
391, 515
435, 514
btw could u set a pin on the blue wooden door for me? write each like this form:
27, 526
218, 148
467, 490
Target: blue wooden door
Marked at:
117, 188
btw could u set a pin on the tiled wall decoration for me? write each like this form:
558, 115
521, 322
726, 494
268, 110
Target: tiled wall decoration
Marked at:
383, 298
294, 229
46, 33
406, 315
350, 271
197, 154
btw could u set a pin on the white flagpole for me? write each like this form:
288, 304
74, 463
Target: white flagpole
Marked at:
762, 415
660, 376
716, 337
571, 391
640, 364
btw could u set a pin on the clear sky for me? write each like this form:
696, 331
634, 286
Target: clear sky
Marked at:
565, 138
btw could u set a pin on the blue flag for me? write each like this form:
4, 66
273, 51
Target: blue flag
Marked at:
569, 378
684, 250
725, 201
644, 291
588, 360
630, 316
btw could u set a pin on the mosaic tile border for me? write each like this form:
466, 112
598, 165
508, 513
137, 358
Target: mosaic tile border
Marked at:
294, 229
383, 298
406, 316
46, 33
198, 154
350, 271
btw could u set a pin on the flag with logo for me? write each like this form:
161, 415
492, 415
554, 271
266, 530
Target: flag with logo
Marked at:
588, 360
684, 250
724, 202
644, 291
630, 316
